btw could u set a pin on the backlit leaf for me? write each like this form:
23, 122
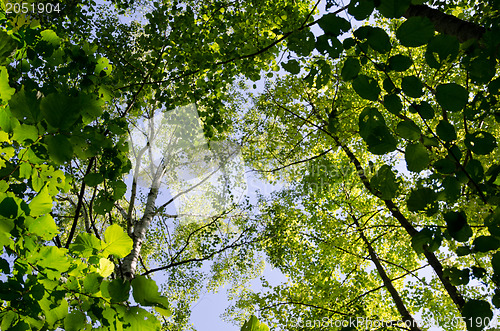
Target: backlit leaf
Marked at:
117, 241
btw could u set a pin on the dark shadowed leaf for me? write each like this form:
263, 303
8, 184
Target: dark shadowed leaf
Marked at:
415, 31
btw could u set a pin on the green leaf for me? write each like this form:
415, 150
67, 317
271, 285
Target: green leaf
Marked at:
393, 8
408, 129
43, 226
118, 242
106, 267
475, 170
145, 292
7, 46
75, 321
486, 243
457, 226
119, 189
50, 37
253, 324
375, 133
60, 110
92, 283
25, 132
350, 69
426, 240
477, 314
451, 96
445, 166
416, 156
25, 106
424, 109
446, 131
9, 208
366, 87
393, 104
118, 290
361, 9
6, 92
456, 276
481, 142
384, 183
41, 203
376, 37
60, 148
415, 31
399, 63
412, 86
292, 66
86, 245
93, 179
441, 49
420, 198
334, 25
301, 42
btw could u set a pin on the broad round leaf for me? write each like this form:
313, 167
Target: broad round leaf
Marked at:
361, 9
451, 96
416, 156
74, 321
481, 142
118, 242
408, 129
457, 226
384, 183
392, 103
399, 63
41, 203
350, 69
412, 86
486, 243
441, 49
477, 314
366, 87
446, 131
334, 25
393, 8
292, 66
415, 31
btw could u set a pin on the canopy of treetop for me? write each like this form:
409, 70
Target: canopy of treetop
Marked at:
380, 130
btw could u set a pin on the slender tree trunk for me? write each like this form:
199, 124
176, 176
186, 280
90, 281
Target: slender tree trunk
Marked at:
129, 265
410, 229
447, 24
405, 314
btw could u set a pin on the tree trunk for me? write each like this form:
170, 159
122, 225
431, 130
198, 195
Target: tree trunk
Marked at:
447, 24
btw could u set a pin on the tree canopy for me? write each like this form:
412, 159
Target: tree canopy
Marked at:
126, 128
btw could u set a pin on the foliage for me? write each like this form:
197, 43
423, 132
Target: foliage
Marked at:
386, 137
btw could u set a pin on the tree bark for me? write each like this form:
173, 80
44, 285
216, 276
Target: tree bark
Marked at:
129, 265
447, 24
405, 314
410, 229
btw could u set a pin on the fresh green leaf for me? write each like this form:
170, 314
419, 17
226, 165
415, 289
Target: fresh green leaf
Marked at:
393, 104
6, 92
117, 241
41, 203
